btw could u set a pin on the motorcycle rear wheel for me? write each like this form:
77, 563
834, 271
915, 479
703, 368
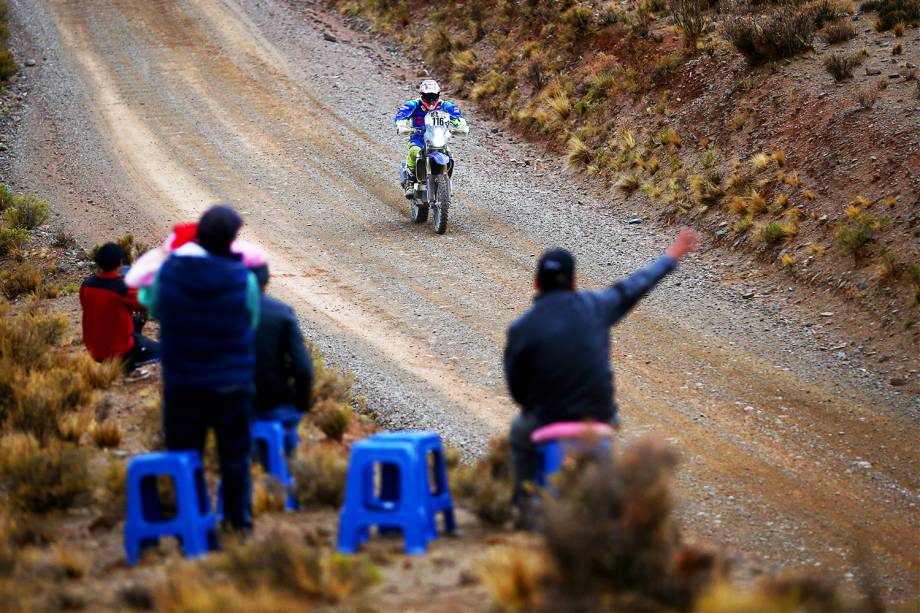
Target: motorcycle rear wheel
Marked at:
419, 211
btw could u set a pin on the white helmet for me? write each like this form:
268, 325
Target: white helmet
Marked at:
429, 93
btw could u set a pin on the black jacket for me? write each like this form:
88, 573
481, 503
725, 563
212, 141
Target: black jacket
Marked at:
284, 370
557, 358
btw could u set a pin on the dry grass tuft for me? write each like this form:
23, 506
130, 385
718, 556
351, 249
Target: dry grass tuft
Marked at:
579, 155
39, 479
331, 417
762, 38
516, 576
838, 32
867, 96
485, 487
319, 475
841, 65
19, 279
106, 435
299, 569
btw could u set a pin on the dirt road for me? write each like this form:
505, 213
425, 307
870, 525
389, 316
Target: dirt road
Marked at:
145, 112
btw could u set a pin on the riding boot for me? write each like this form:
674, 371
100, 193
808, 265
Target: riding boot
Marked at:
410, 184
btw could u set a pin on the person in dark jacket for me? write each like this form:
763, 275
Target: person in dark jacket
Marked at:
207, 302
113, 319
557, 356
284, 370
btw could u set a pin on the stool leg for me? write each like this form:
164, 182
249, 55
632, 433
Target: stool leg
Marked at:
450, 522
194, 539
416, 537
349, 535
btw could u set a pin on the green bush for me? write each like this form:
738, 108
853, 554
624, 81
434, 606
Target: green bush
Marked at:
855, 235
7, 198
26, 212
11, 239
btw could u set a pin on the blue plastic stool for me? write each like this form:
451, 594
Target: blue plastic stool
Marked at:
401, 501
194, 524
437, 490
555, 441
268, 439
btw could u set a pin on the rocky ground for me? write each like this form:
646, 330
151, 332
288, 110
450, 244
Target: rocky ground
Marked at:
142, 113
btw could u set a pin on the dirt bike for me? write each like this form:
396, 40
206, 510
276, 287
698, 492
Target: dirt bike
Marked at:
434, 169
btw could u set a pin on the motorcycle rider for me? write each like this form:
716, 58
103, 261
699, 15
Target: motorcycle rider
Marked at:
413, 112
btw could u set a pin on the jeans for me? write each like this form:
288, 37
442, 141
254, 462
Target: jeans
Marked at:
187, 415
144, 351
525, 457
290, 418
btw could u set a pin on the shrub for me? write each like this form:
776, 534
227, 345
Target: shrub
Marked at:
688, 15
838, 32
760, 39
8, 65
771, 232
328, 382
319, 476
841, 65
19, 279
612, 538
27, 338
27, 212
856, 234
39, 480
891, 12
867, 96
11, 239
579, 19
7, 197
73, 426
44, 398
332, 418
485, 487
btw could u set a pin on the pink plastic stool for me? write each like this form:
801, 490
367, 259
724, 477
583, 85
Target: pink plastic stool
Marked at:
555, 440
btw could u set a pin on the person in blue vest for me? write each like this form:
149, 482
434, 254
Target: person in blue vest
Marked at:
557, 354
412, 113
207, 303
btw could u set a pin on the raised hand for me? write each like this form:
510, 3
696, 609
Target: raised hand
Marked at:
683, 244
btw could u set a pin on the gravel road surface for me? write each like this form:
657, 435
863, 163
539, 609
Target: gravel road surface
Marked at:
144, 112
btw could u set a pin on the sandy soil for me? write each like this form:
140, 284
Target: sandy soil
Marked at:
145, 112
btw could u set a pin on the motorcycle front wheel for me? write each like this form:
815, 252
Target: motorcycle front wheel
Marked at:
441, 184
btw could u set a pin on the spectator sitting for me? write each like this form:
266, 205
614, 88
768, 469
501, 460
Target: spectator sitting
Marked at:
557, 356
284, 370
207, 302
112, 316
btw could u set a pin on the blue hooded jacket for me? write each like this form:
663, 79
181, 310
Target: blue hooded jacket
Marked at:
415, 113
557, 357
206, 322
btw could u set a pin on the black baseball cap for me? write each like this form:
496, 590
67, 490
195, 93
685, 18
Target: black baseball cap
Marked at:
556, 270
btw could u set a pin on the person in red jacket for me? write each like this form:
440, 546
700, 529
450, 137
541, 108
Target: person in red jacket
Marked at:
112, 315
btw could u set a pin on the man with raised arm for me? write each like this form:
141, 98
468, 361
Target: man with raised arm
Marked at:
557, 356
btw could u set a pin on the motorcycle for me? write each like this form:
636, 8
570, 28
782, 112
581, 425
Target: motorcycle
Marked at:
434, 169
